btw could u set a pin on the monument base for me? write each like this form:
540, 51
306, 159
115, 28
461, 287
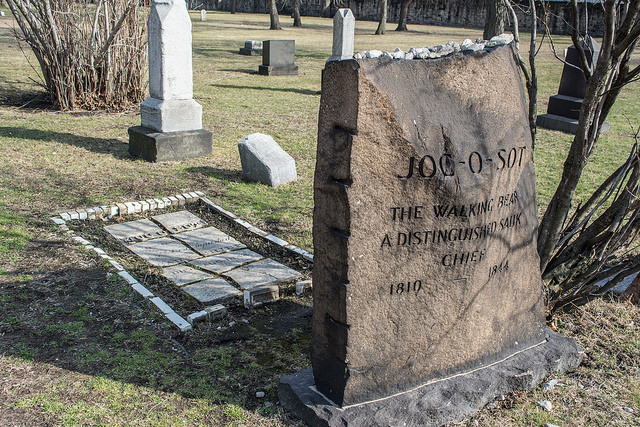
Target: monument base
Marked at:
563, 124
166, 146
249, 51
439, 401
286, 70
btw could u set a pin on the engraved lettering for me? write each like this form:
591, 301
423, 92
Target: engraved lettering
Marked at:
463, 258
412, 162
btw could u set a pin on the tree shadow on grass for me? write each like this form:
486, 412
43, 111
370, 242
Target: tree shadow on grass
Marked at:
11, 96
277, 89
116, 148
217, 173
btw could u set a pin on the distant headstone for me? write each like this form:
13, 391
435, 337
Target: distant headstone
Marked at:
171, 121
427, 295
278, 57
264, 161
344, 24
563, 110
203, 15
251, 48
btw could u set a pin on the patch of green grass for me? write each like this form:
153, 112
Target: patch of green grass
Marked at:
11, 320
13, 233
25, 351
234, 412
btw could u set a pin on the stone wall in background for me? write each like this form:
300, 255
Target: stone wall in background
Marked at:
455, 13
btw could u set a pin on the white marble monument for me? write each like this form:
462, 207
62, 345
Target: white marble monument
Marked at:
344, 24
171, 121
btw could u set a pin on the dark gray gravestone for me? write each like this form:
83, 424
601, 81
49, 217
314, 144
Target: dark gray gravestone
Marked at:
426, 277
563, 110
278, 58
251, 48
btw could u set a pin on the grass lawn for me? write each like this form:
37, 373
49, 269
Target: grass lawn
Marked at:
77, 346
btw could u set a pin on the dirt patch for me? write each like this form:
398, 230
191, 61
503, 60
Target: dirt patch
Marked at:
64, 308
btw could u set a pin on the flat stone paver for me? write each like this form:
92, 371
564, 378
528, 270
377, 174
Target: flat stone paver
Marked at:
163, 252
135, 231
226, 261
209, 241
264, 272
212, 290
183, 275
177, 222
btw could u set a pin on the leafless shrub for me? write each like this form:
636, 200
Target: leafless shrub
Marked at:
596, 242
91, 55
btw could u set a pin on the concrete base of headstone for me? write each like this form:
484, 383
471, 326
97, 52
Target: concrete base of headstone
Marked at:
563, 124
266, 70
565, 106
167, 146
437, 402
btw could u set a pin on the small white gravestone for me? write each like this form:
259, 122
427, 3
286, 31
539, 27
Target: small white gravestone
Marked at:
171, 107
264, 161
343, 34
203, 15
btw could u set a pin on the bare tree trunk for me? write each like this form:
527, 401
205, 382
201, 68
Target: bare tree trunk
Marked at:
297, 22
233, 6
494, 22
382, 17
273, 16
326, 9
530, 74
402, 20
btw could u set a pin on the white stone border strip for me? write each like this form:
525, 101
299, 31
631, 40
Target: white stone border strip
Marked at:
127, 208
122, 209
255, 230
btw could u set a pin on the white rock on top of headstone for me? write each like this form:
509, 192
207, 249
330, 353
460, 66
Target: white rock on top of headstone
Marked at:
344, 24
264, 161
170, 107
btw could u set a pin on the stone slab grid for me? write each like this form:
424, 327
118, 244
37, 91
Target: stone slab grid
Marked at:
121, 209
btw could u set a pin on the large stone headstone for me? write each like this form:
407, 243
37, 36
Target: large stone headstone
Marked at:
563, 110
426, 277
171, 121
278, 58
